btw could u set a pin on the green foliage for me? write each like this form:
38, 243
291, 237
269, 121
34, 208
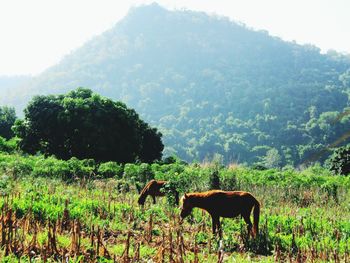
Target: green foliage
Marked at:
110, 169
228, 179
272, 159
85, 125
7, 119
8, 146
214, 180
339, 162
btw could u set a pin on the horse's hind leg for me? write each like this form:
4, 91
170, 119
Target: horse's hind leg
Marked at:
246, 217
154, 199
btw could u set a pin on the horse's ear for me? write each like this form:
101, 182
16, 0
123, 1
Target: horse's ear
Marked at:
186, 195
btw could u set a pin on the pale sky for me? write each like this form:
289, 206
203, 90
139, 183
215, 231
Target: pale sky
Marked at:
37, 34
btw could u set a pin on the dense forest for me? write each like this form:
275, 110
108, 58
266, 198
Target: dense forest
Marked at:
212, 86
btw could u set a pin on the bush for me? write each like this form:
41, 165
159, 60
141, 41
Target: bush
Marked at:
8, 146
110, 169
228, 180
52, 168
15, 165
82, 168
214, 180
65, 170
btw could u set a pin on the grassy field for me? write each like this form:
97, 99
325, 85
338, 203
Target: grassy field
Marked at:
305, 217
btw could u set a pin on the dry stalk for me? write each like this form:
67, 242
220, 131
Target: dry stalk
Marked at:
179, 246
195, 251
171, 259
137, 252
125, 256
65, 218
150, 228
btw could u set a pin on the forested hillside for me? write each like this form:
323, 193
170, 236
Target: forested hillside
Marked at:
9, 85
212, 85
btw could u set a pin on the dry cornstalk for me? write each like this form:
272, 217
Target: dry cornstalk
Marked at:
195, 251
125, 256
65, 217
171, 259
137, 252
150, 228
181, 246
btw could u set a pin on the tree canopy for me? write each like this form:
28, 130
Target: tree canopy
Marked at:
7, 119
339, 161
85, 125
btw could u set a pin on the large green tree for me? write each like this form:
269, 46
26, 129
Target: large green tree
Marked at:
85, 125
339, 161
7, 119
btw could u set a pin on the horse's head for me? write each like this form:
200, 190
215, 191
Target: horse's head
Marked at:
186, 207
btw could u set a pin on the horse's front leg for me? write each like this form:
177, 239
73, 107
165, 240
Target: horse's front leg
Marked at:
219, 228
215, 223
154, 199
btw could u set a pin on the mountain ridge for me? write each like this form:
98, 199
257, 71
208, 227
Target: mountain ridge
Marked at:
210, 84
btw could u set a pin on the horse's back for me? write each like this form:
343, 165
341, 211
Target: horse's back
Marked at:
229, 203
226, 194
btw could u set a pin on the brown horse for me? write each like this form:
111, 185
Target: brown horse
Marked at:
225, 204
154, 188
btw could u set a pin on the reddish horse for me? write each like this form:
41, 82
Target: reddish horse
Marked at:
154, 188
225, 204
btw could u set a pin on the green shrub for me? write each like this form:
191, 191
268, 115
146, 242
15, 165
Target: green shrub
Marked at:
82, 168
141, 173
131, 172
110, 169
228, 180
214, 180
8, 146
52, 168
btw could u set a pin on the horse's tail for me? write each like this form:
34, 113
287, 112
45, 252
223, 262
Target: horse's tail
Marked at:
256, 215
144, 192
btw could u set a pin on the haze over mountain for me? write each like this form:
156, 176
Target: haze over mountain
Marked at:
211, 85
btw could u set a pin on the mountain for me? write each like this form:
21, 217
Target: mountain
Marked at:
213, 85
8, 84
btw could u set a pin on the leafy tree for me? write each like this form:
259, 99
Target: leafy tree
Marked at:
7, 119
272, 158
339, 162
85, 125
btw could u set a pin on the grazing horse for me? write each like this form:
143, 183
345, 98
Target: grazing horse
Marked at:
225, 204
154, 188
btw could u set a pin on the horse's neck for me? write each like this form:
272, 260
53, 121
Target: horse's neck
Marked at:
144, 194
198, 201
